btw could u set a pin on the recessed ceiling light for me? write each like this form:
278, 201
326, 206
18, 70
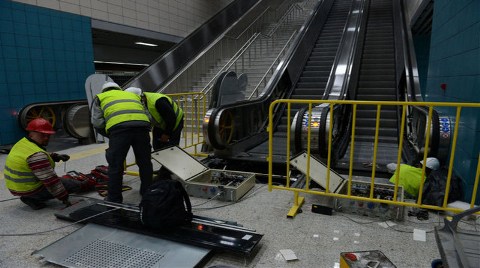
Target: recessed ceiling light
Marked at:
120, 63
146, 44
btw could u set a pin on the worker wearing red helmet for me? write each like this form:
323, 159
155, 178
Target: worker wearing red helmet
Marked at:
30, 169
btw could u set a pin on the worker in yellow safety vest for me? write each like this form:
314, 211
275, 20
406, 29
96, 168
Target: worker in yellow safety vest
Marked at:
121, 116
167, 117
410, 177
30, 169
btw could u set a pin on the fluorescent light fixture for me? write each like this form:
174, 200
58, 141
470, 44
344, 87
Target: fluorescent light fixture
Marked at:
120, 63
146, 44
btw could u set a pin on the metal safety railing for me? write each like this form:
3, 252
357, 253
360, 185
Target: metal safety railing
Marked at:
470, 111
194, 107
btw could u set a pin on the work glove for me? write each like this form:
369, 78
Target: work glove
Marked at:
60, 157
66, 202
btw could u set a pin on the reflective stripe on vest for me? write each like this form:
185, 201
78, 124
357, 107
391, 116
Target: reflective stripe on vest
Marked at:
159, 122
18, 175
120, 106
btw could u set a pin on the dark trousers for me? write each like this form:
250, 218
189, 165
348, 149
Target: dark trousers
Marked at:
174, 138
71, 185
119, 143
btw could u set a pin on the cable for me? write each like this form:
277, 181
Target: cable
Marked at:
65, 226
215, 196
368, 222
403, 231
5, 200
386, 222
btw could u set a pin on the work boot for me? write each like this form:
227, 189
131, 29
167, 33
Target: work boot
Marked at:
34, 204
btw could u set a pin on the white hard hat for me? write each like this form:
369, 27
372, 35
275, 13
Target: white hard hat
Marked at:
432, 163
109, 85
135, 90
391, 167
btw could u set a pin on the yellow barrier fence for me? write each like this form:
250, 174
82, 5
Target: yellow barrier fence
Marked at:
454, 108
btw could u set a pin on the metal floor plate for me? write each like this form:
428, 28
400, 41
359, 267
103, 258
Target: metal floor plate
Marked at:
99, 246
202, 233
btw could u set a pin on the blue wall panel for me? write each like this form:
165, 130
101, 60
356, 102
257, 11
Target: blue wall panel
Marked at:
455, 60
45, 55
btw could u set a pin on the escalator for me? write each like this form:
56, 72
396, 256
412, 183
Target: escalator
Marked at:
383, 72
377, 82
387, 72
314, 77
309, 72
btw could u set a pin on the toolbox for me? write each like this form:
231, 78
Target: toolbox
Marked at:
364, 259
339, 185
201, 181
372, 209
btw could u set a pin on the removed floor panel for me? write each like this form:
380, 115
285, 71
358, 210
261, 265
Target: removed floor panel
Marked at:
99, 246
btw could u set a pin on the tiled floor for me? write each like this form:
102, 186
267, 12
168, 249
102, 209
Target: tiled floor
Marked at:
316, 239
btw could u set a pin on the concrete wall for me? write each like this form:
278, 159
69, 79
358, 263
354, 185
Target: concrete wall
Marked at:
455, 61
175, 17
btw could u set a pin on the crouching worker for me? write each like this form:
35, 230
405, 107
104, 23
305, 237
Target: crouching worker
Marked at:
410, 177
30, 169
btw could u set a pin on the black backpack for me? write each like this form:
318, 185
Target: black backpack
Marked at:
435, 185
165, 204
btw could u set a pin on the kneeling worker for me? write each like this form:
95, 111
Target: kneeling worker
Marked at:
30, 170
167, 117
410, 177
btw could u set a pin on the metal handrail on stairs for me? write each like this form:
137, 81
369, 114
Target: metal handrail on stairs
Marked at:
271, 68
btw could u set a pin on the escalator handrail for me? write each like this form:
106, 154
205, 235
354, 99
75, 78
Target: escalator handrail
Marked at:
410, 62
338, 81
412, 88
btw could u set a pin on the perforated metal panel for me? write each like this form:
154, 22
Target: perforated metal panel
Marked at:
101, 253
99, 246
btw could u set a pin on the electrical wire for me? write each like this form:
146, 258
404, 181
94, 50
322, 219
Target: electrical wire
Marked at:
5, 200
209, 200
386, 222
62, 227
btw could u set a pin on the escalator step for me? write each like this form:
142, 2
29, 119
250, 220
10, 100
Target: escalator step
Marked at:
375, 84
370, 131
368, 138
384, 122
377, 90
307, 91
307, 73
313, 79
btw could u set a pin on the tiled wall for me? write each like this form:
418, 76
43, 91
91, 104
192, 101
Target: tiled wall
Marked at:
455, 61
45, 55
175, 17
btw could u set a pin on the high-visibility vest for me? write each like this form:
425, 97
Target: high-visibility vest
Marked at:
120, 106
410, 178
159, 122
18, 175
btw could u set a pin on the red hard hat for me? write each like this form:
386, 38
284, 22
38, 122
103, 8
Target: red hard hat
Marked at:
40, 125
